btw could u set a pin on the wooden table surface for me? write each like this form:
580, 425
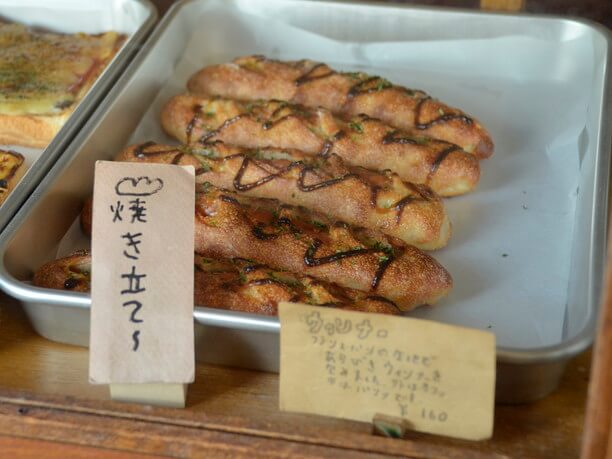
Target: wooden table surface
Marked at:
45, 396
48, 409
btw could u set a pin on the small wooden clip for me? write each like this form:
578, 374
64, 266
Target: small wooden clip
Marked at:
389, 426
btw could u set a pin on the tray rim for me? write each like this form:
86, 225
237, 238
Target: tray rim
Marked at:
561, 351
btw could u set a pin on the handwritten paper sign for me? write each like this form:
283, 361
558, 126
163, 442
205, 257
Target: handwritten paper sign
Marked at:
437, 377
142, 275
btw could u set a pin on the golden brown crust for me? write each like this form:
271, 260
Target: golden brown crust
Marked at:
228, 225
362, 141
69, 273
242, 285
30, 130
355, 195
11, 170
316, 85
236, 285
284, 237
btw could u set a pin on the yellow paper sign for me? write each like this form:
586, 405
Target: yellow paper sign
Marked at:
438, 378
142, 328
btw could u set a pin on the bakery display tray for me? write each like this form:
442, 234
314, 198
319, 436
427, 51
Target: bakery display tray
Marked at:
134, 18
528, 248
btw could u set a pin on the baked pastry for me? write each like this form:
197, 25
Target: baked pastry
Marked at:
11, 170
236, 285
362, 141
377, 200
347, 93
228, 225
69, 273
43, 76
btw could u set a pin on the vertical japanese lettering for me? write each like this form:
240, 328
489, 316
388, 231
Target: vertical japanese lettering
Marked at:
134, 190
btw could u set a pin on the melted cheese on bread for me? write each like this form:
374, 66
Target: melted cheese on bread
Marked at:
43, 73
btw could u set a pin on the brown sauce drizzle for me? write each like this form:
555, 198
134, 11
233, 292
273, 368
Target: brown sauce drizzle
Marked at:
439, 159
311, 261
420, 194
358, 88
441, 119
322, 184
396, 137
382, 299
399, 206
304, 169
361, 87
382, 267
197, 110
141, 151
387, 256
205, 137
249, 186
231, 200
271, 123
309, 76
393, 137
259, 233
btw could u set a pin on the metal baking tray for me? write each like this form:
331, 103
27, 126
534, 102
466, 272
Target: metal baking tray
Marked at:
552, 46
135, 18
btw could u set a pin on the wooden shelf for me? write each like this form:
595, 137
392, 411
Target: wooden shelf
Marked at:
45, 395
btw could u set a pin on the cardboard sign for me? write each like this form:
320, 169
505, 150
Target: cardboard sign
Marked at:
438, 378
142, 329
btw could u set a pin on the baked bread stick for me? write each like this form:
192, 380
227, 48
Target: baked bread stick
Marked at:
228, 225
362, 141
236, 285
68, 273
352, 194
346, 93
242, 285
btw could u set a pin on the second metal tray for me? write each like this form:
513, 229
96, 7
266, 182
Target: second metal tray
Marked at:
135, 18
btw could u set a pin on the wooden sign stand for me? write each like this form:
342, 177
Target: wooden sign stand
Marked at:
170, 395
142, 336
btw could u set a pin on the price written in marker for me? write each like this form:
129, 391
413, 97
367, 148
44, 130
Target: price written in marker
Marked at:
142, 283
438, 378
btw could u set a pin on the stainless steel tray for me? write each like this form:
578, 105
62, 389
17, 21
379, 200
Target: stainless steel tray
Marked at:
135, 18
249, 341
